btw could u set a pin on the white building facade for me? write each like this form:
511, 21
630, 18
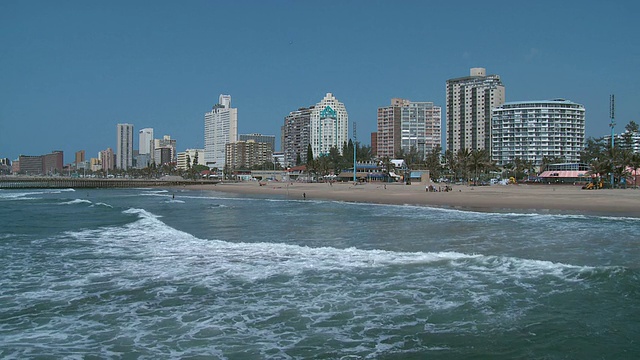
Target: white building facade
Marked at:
189, 158
470, 100
329, 125
145, 141
220, 128
531, 130
124, 146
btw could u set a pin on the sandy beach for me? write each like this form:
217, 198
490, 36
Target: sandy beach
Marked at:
565, 199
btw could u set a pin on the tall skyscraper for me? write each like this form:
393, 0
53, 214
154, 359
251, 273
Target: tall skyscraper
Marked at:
106, 159
408, 124
531, 130
296, 135
124, 146
470, 100
329, 125
145, 141
220, 128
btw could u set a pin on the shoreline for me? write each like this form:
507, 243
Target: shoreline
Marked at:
540, 199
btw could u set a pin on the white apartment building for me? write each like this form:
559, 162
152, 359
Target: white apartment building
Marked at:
145, 141
124, 146
531, 130
220, 128
470, 100
191, 157
406, 124
329, 125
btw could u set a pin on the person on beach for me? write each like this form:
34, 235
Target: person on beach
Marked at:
304, 196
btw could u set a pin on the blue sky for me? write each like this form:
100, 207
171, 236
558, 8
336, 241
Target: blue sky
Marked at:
71, 70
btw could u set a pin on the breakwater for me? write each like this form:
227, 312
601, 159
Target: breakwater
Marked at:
29, 182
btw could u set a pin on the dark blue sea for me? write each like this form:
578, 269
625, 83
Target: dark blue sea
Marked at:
137, 273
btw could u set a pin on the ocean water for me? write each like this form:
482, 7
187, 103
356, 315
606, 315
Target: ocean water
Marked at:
136, 273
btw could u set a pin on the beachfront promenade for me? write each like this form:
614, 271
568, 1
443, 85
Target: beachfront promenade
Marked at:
32, 182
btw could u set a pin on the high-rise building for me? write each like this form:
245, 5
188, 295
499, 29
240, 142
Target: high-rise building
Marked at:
407, 125
165, 143
220, 128
145, 141
107, 158
48, 164
531, 130
470, 100
124, 146
296, 136
80, 159
329, 126
259, 138
247, 154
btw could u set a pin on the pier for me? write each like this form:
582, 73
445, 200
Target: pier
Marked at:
34, 182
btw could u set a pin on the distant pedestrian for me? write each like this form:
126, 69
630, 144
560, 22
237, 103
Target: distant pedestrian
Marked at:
304, 196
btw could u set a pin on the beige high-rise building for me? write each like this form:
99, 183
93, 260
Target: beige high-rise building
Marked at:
470, 100
408, 124
247, 154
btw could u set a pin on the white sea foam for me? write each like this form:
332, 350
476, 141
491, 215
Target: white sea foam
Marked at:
76, 201
263, 260
102, 204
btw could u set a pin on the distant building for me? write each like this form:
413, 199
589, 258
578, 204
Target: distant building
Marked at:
145, 141
269, 139
191, 157
5, 166
30, 165
247, 154
296, 135
143, 160
278, 159
408, 124
95, 164
80, 162
220, 128
49, 164
626, 140
107, 159
329, 126
531, 130
124, 148
163, 155
165, 142
470, 100
53, 163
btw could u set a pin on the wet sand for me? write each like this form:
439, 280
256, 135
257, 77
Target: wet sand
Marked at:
563, 199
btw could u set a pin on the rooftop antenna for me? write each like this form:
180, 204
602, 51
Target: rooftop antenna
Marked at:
612, 109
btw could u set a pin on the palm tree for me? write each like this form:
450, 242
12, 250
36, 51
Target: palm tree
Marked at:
478, 161
450, 163
462, 159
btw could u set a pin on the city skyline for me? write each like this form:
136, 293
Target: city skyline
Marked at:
73, 70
